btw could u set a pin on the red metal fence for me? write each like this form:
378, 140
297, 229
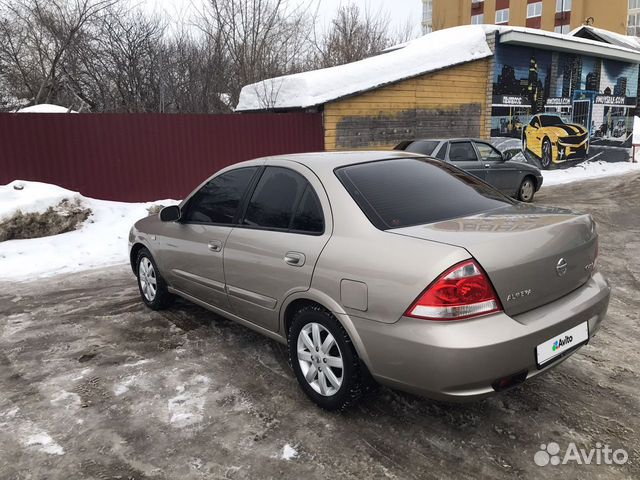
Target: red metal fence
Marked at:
138, 157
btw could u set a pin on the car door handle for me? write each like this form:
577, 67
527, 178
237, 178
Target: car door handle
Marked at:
487, 165
295, 259
215, 245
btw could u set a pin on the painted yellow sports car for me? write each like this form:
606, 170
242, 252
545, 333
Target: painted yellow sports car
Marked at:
552, 140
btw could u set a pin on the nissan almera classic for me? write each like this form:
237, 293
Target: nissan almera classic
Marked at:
384, 266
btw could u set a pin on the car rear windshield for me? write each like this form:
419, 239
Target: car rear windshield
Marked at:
413, 191
425, 147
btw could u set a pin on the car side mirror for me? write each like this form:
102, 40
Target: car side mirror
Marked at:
170, 213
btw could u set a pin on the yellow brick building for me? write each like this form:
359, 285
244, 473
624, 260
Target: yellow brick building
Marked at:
559, 16
451, 101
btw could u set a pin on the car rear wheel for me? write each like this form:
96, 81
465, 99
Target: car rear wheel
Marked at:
323, 359
527, 190
547, 153
153, 288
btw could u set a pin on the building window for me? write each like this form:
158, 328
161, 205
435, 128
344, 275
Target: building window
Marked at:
502, 16
477, 19
480, 1
534, 10
427, 16
633, 23
633, 4
563, 6
562, 28
427, 10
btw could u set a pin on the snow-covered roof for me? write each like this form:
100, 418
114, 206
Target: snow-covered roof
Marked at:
613, 38
45, 108
434, 51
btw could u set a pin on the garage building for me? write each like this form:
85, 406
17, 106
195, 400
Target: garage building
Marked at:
476, 80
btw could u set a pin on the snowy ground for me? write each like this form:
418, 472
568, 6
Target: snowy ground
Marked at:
101, 241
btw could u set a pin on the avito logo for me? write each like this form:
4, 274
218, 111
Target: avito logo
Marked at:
562, 342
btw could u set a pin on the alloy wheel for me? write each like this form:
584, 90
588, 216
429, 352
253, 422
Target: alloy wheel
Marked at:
526, 190
147, 279
320, 359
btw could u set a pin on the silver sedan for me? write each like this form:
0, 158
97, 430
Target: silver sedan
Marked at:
385, 267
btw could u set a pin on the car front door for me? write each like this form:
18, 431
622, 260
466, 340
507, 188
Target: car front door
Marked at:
463, 155
191, 249
273, 251
502, 175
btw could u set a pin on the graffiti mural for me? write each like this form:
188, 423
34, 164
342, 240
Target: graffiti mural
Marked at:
563, 106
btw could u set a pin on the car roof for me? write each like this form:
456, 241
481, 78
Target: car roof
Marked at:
324, 161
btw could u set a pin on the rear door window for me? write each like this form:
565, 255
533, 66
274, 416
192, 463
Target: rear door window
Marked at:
462, 152
442, 151
309, 217
275, 199
218, 201
413, 191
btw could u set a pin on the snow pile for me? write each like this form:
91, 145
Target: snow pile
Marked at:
101, 241
288, 452
613, 38
434, 51
588, 170
45, 108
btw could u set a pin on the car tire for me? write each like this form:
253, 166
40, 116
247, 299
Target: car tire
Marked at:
546, 153
152, 287
527, 190
315, 359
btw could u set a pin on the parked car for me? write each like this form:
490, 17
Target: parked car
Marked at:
516, 179
553, 141
383, 266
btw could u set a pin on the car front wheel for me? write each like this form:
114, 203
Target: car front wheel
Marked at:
324, 359
152, 286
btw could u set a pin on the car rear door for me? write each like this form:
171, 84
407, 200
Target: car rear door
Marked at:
273, 250
191, 249
463, 155
504, 176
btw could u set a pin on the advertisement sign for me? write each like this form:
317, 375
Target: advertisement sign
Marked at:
563, 106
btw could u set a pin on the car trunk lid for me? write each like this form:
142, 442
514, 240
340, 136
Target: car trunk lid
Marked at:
532, 255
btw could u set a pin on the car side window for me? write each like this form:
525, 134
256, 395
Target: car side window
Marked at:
462, 152
275, 199
487, 152
534, 122
309, 217
219, 199
442, 152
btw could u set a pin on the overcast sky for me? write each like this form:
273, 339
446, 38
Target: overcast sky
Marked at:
400, 11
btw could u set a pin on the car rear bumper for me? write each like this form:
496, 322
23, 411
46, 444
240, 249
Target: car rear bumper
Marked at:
462, 360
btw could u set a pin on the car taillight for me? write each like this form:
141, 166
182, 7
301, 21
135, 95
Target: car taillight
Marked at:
463, 291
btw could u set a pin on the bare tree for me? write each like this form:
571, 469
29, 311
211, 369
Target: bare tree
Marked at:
260, 38
353, 35
38, 36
